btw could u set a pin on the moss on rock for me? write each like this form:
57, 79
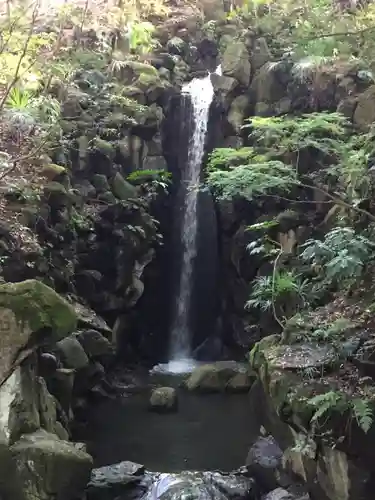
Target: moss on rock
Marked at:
39, 306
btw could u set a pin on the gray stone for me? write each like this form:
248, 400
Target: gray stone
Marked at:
122, 189
121, 473
163, 400
236, 63
260, 54
101, 183
47, 407
87, 318
94, 343
215, 377
72, 353
58, 471
85, 188
237, 112
23, 414
278, 494
264, 460
301, 356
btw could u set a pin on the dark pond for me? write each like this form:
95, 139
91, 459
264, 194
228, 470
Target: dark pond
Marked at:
208, 432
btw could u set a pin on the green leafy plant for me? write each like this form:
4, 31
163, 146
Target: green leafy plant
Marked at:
340, 258
333, 401
143, 176
331, 332
322, 131
141, 37
251, 180
285, 288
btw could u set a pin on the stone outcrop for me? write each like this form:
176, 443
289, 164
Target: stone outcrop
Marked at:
331, 464
32, 428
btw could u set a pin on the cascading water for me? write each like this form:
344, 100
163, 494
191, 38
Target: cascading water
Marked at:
200, 92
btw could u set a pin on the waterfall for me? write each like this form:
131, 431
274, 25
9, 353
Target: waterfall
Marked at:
200, 92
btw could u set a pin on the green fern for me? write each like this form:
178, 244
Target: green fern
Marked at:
251, 180
337, 402
363, 413
322, 131
324, 403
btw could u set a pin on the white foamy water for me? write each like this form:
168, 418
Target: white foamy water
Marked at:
201, 93
179, 366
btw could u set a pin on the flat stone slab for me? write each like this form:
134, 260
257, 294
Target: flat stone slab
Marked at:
301, 356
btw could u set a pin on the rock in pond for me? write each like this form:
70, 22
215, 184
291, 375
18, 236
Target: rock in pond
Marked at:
163, 400
221, 376
112, 480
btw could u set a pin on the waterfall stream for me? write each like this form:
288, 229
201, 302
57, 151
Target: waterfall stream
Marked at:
200, 92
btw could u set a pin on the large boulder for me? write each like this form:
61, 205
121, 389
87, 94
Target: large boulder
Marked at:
49, 468
236, 63
220, 376
30, 313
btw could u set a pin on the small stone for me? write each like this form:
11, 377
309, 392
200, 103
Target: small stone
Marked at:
163, 400
72, 353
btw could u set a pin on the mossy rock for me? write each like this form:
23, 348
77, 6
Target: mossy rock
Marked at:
28, 309
122, 189
130, 71
104, 147
101, 183
52, 171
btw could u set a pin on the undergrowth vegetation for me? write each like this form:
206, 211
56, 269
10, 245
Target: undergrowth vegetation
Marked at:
313, 31
287, 163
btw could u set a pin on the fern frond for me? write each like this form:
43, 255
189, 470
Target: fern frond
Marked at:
363, 413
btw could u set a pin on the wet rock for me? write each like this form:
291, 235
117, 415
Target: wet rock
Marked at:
220, 376
278, 494
263, 461
201, 486
72, 353
59, 469
164, 400
111, 480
